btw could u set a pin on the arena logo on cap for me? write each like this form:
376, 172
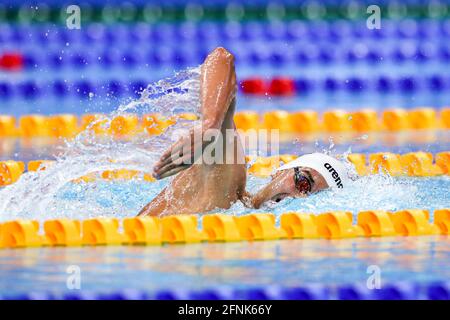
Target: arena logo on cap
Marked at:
334, 174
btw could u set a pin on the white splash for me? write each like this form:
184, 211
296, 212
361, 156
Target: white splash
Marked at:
34, 194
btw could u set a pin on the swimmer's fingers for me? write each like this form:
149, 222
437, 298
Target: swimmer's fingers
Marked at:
173, 159
176, 147
183, 162
170, 154
182, 151
184, 145
173, 171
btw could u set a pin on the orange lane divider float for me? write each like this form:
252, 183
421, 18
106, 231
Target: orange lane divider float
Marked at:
365, 120
95, 123
36, 165
336, 120
10, 171
386, 162
301, 121
263, 166
68, 125
155, 124
359, 162
416, 164
102, 232
8, 126
306, 121
420, 164
63, 232
442, 220
183, 229
247, 120
277, 119
21, 233
259, 226
443, 161
119, 174
423, 118
124, 125
299, 225
63, 126
33, 125
395, 119
445, 117
414, 223
144, 231
337, 225
376, 223
221, 228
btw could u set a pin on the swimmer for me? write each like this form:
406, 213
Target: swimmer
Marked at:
201, 187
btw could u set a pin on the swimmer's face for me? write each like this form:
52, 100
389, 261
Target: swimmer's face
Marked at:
285, 183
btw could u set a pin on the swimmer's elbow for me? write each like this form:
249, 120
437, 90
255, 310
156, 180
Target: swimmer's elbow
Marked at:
223, 55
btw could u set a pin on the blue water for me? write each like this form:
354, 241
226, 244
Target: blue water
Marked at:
124, 199
398, 50
231, 266
287, 263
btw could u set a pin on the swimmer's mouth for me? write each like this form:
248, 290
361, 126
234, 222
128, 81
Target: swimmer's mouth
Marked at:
279, 197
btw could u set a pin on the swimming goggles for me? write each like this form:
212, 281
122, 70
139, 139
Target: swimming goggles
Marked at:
302, 183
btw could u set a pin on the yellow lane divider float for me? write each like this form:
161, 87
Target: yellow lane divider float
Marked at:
304, 121
68, 125
336, 120
415, 164
181, 229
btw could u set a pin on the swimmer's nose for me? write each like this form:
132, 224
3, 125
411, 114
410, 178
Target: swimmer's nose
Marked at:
274, 190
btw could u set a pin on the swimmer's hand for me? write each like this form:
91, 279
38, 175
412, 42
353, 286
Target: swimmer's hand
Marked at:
182, 154
217, 91
170, 172
246, 200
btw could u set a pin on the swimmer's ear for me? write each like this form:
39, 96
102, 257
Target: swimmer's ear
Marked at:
172, 171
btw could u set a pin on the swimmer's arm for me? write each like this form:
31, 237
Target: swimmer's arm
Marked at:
218, 89
155, 207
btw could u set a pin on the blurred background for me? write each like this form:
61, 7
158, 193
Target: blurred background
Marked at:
290, 54
72, 58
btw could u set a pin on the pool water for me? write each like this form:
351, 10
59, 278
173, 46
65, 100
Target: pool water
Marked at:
125, 198
180, 269
225, 268
334, 61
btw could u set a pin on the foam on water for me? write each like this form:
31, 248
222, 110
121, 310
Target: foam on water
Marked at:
374, 192
34, 194
125, 198
48, 194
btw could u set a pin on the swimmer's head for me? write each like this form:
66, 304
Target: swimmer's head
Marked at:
307, 174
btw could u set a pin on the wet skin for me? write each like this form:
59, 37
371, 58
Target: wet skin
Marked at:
201, 187
282, 185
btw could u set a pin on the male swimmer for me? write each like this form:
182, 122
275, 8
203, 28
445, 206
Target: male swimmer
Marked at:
201, 187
